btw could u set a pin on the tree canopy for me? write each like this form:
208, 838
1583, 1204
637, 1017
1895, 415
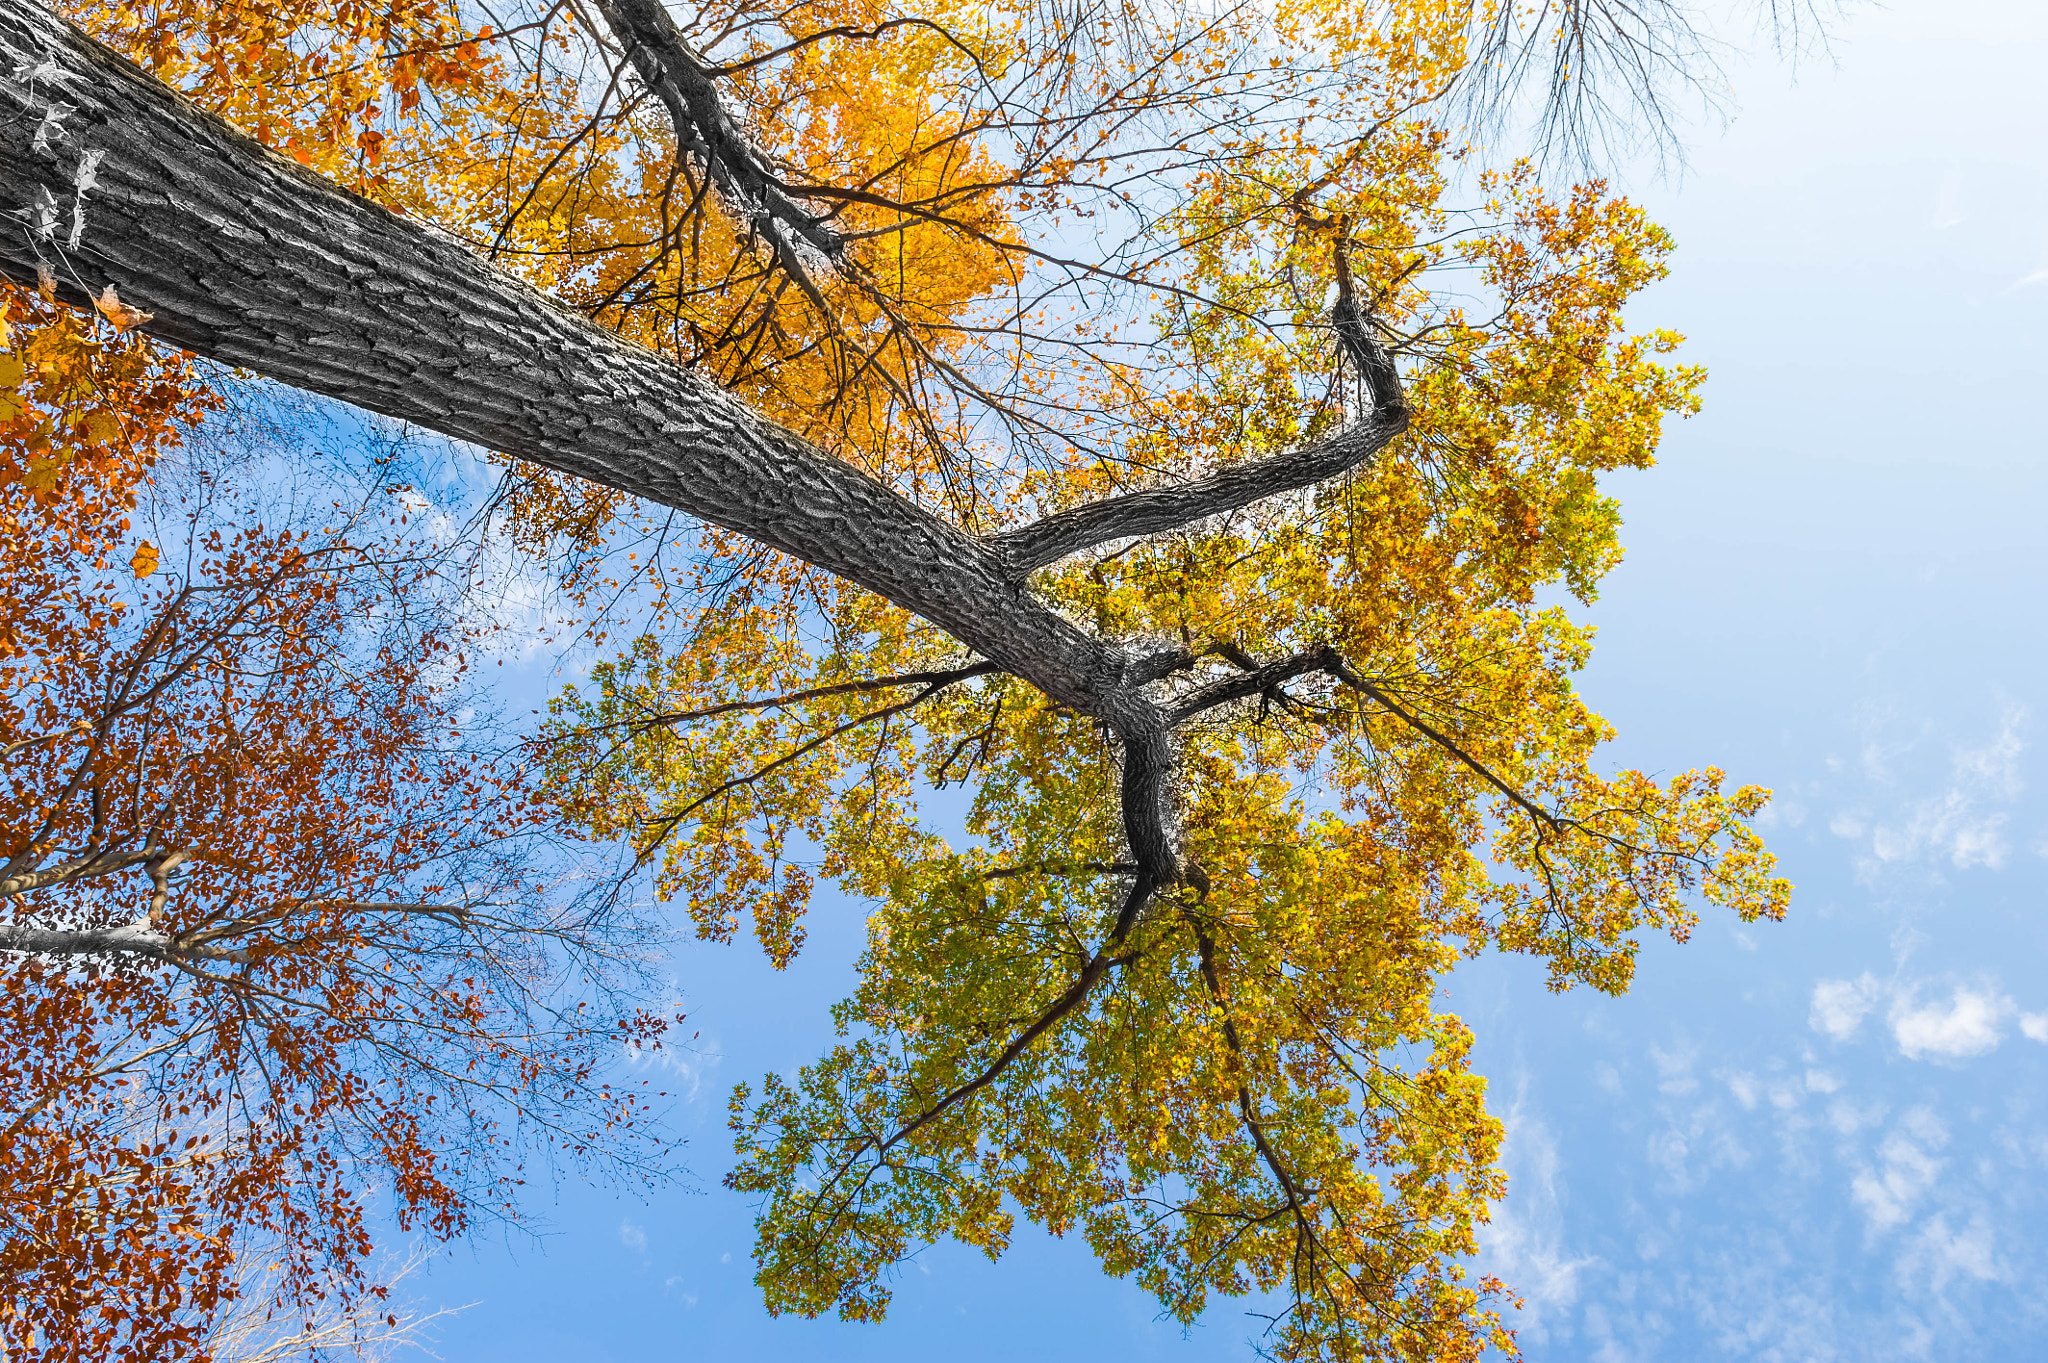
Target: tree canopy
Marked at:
1177, 429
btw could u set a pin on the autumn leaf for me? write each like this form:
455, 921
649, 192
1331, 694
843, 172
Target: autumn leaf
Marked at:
101, 426
143, 561
123, 316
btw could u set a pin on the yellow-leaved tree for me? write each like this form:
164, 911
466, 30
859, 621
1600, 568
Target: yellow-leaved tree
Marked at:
1173, 426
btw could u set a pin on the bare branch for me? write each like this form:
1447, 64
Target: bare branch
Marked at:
1260, 680
668, 823
669, 718
1075, 994
1337, 668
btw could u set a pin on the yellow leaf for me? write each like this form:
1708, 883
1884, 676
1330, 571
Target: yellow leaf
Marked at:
143, 563
12, 370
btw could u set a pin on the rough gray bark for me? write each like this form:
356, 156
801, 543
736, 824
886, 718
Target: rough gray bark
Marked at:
708, 136
245, 256
126, 939
78, 868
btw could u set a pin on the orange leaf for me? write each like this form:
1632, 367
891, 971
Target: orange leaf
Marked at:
143, 562
120, 314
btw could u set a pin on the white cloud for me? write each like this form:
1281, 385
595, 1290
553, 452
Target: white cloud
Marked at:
1820, 1081
1970, 1024
1839, 1006
1848, 1117
1995, 769
1906, 1171
1750, 1089
1696, 1139
1972, 1020
1782, 811
2039, 274
632, 1236
685, 1064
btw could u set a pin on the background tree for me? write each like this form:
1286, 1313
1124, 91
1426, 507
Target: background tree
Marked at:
277, 943
1163, 422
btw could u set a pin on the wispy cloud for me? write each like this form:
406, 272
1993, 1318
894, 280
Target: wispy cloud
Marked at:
1956, 824
1524, 1243
632, 1236
684, 1063
1906, 1169
1695, 1138
1971, 1020
1961, 824
2039, 274
1937, 1255
1839, 1006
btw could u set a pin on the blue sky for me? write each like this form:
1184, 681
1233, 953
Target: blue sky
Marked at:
1816, 1140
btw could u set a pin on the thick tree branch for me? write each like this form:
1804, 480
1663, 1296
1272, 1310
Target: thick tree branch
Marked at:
248, 258
85, 867
712, 138
1231, 488
128, 939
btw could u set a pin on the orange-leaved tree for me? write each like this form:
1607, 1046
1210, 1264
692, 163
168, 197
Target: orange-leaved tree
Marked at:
278, 941
1173, 424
